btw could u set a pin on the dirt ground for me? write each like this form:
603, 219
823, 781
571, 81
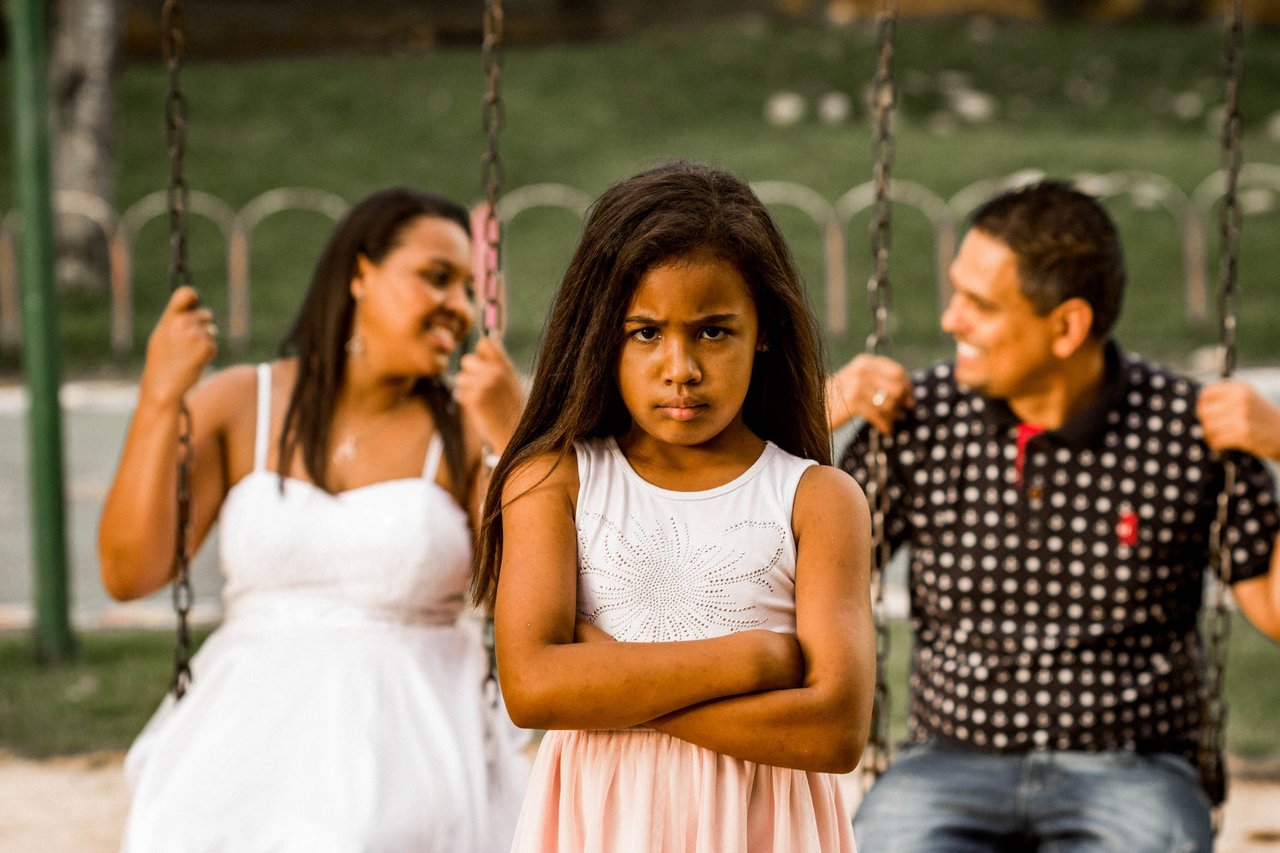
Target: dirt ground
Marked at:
78, 805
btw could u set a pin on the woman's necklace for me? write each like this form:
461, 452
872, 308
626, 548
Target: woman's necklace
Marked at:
348, 448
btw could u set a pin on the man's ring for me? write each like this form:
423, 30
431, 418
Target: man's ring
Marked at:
878, 399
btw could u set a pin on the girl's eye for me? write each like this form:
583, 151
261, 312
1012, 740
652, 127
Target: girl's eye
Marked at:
715, 333
646, 334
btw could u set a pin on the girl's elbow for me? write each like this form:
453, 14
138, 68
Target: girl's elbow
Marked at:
846, 731
526, 706
841, 752
523, 713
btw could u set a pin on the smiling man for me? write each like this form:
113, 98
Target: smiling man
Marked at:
1057, 495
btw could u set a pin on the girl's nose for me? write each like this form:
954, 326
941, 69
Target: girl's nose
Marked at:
681, 366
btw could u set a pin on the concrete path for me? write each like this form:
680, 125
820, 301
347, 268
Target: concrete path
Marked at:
78, 805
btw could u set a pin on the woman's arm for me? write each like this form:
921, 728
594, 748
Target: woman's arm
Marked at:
823, 724
137, 536
551, 682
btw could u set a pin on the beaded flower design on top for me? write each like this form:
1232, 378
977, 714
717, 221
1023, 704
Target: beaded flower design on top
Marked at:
665, 583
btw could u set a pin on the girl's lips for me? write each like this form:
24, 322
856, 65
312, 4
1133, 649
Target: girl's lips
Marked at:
681, 408
681, 413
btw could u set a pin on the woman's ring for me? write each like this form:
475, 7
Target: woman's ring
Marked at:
879, 398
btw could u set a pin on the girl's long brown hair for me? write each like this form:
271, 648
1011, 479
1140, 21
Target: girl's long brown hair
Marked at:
670, 212
320, 332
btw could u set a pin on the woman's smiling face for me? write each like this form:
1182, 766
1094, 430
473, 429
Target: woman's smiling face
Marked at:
415, 305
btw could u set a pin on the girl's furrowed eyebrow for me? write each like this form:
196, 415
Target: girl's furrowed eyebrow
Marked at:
707, 320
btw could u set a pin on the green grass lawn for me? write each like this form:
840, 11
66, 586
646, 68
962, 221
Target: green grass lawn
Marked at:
101, 701
1062, 98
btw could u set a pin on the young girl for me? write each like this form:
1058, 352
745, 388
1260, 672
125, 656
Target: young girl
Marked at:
680, 590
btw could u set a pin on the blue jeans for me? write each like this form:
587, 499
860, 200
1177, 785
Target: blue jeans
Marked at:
939, 797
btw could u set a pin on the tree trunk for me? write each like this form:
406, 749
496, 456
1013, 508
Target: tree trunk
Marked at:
85, 55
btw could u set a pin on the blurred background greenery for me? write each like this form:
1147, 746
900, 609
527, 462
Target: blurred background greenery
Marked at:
770, 97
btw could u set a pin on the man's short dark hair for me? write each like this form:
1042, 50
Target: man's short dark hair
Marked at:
1067, 248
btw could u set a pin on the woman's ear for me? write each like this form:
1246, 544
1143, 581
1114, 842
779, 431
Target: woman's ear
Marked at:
1072, 324
363, 267
762, 343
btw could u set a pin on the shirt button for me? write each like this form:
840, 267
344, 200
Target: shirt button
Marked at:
1035, 493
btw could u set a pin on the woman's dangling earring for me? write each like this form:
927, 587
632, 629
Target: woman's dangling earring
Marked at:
355, 343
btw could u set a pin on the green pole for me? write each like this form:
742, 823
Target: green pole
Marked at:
29, 73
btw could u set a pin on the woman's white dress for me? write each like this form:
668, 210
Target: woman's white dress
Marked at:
340, 705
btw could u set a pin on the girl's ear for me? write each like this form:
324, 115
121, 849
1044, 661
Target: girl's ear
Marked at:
762, 343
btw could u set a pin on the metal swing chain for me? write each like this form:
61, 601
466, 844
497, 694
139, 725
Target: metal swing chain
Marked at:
175, 115
1217, 616
492, 174
883, 94
492, 170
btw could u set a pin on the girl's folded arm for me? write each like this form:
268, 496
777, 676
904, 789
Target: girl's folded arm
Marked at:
823, 724
551, 682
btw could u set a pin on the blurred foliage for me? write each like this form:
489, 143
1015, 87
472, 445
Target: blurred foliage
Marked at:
979, 99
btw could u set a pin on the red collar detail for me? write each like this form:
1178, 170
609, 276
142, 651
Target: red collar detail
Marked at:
1026, 432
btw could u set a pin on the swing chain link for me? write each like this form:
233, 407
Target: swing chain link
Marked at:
883, 94
492, 174
876, 757
1217, 616
173, 45
492, 169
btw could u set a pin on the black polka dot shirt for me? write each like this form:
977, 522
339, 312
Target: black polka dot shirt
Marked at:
1055, 578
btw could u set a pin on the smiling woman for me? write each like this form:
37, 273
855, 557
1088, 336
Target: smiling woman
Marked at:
341, 688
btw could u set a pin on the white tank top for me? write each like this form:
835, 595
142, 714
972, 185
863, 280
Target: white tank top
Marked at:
657, 565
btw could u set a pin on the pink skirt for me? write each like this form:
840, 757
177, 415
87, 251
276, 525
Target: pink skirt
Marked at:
642, 790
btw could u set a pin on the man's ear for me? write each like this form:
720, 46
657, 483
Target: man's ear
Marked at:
1072, 323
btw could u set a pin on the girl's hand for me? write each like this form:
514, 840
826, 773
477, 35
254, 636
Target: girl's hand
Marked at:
585, 632
778, 655
488, 390
183, 342
782, 659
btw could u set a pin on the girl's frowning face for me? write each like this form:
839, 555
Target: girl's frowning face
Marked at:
691, 335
